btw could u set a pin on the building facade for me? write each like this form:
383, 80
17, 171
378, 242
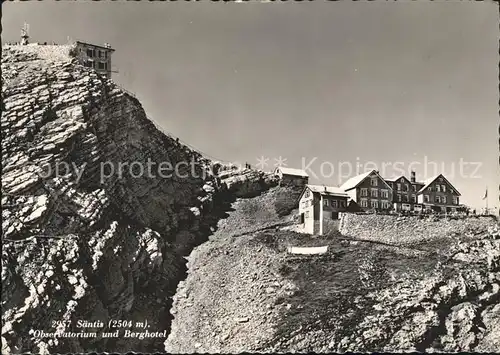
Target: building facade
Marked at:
319, 207
439, 194
405, 193
370, 191
436, 194
95, 56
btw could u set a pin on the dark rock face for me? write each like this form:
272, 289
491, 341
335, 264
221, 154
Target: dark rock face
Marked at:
97, 239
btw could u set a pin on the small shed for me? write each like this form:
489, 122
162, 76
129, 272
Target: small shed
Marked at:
291, 176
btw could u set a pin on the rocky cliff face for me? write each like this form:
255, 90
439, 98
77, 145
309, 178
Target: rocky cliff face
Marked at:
98, 207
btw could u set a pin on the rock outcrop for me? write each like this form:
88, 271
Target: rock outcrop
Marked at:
98, 207
246, 183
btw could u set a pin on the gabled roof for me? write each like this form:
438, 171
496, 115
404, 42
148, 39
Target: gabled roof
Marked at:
324, 190
358, 179
396, 178
355, 181
328, 190
429, 181
292, 171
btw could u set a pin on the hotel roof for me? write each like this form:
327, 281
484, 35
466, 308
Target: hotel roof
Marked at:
96, 45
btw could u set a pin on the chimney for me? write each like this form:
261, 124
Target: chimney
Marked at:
413, 177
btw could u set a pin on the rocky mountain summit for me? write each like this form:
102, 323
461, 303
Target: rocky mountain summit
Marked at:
101, 210
91, 229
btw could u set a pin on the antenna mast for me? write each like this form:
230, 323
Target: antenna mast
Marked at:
24, 34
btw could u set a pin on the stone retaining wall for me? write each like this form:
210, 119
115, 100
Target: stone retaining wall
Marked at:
407, 230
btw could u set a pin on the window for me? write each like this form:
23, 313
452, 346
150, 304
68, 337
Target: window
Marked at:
399, 198
325, 202
443, 188
405, 198
414, 187
374, 204
334, 203
438, 199
302, 219
444, 199
105, 54
307, 214
90, 52
438, 188
99, 53
384, 193
374, 182
102, 65
407, 188
307, 193
413, 198
88, 64
426, 198
364, 203
374, 193
398, 187
342, 203
364, 192
455, 200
